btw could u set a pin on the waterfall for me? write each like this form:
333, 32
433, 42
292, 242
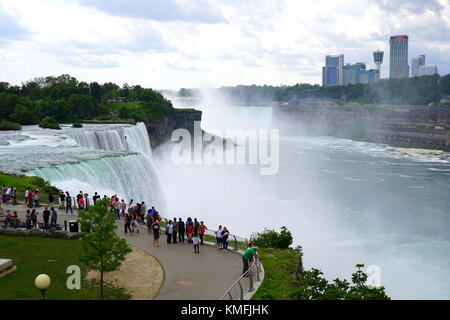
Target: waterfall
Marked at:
128, 138
130, 176
137, 139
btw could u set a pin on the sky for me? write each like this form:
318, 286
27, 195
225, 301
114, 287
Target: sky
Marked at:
172, 44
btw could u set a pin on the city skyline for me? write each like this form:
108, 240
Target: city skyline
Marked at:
209, 42
337, 72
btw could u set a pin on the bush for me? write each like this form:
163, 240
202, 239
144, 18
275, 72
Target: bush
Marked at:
273, 239
77, 125
49, 123
312, 286
7, 125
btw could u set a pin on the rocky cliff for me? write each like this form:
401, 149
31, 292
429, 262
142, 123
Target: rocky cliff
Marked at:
415, 126
161, 131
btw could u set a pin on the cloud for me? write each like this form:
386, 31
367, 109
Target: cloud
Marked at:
89, 61
216, 41
10, 29
411, 6
198, 11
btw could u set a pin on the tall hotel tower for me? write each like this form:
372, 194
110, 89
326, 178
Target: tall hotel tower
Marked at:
333, 72
399, 67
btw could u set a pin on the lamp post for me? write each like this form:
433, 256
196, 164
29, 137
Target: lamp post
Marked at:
42, 282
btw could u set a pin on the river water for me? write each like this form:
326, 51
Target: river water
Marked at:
345, 202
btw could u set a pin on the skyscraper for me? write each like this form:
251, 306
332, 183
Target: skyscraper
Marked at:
399, 67
419, 68
333, 72
416, 63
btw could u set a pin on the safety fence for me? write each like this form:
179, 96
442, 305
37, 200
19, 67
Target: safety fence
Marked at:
234, 241
245, 284
43, 201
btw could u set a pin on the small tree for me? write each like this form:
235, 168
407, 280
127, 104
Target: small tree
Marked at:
272, 239
103, 250
312, 286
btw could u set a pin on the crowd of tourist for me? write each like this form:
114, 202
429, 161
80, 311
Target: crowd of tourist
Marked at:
133, 215
8, 195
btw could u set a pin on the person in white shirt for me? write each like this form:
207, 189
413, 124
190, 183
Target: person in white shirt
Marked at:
219, 238
169, 231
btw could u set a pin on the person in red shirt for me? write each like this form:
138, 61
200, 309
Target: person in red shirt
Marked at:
202, 230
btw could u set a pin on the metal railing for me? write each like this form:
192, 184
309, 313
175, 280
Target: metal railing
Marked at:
235, 242
43, 200
245, 284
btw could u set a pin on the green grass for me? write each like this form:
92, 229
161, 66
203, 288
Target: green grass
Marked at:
280, 266
33, 256
22, 182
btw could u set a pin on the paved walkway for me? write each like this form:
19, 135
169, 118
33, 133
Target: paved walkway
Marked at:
187, 276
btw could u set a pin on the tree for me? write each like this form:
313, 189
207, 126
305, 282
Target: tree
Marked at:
103, 250
444, 85
273, 239
312, 286
95, 91
81, 105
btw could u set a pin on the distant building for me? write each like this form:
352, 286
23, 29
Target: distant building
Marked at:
378, 59
419, 68
369, 76
399, 67
428, 70
416, 63
333, 72
357, 73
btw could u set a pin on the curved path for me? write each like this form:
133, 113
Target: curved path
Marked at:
187, 276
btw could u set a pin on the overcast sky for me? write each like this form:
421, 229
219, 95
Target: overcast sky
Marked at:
169, 44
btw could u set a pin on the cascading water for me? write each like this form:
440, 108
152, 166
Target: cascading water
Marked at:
130, 177
131, 138
108, 159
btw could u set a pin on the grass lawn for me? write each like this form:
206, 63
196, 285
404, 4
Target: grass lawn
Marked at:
33, 256
22, 182
280, 267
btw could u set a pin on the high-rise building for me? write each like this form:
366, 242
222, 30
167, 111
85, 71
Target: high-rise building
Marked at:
333, 72
419, 68
428, 70
352, 71
399, 67
357, 73
378, 59
416, 63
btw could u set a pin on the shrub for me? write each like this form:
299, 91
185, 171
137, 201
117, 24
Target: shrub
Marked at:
7, 125
312, 286
273, 239
49, 123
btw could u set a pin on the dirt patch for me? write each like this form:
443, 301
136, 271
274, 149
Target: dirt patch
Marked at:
140, 275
